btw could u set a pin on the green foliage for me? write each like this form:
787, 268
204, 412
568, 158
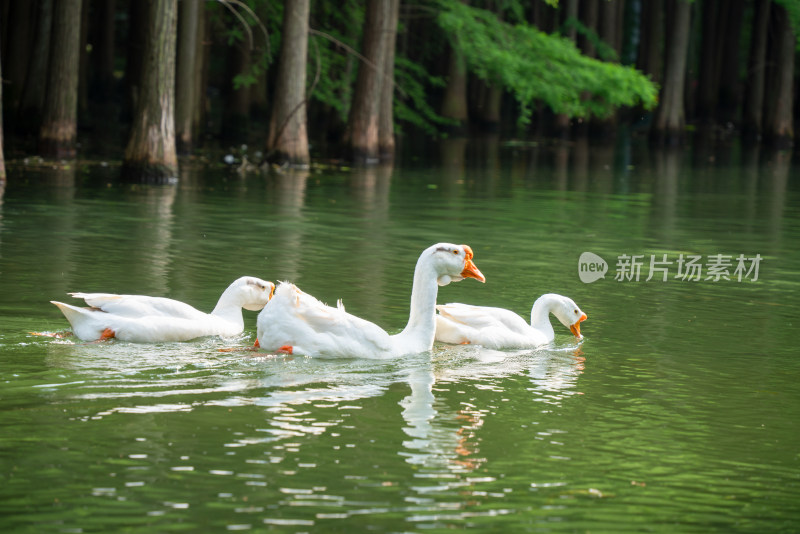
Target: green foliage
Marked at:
333, 68
335, 73
411, 102
793, 11
333, 63
251, 23
603, 49
247, 79
535, 66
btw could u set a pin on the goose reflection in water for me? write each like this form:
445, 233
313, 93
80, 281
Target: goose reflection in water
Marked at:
307, 397
434, 443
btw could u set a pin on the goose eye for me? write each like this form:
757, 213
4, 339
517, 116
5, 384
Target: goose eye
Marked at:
575, 312
455, 252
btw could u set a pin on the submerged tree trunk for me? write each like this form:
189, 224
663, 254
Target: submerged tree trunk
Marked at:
150, 155
670, 116
59, 122
288, 134
778, 117
188, 18
361, 135
756, 73
386, 142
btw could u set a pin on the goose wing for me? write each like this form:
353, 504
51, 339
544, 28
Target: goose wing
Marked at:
138, 306
295, 318
484, 317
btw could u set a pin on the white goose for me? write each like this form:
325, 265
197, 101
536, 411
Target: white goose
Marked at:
297, 323
497, 328
145, 319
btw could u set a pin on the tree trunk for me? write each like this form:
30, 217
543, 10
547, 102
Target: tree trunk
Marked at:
570, 12
201, 77
756, 73
59, 123
102, 56
236, 112
590, 15
30, 117
561, 121
2, 153
454, 104
610, 27
714, 48
361, 134
590, 11
707, 75
487, 99
610, 31
386, 142
21, 24
259, 92
651, 58
189, 15
778, 128
670, 116
730, 86
150, 155
288, 134
5, 9
619, 24
83, 63
259, 96
137, 31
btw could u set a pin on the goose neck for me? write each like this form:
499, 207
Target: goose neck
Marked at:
419, 333
540, 316
228, 308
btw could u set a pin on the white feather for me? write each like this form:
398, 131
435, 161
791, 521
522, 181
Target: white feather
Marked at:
498, 328
296, 319
144, 319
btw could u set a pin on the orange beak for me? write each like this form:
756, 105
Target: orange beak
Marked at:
470, 271
271, 292
576, 328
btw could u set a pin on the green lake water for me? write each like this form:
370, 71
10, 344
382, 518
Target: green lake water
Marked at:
679, 412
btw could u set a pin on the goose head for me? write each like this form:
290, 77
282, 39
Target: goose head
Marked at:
252, 292
569, 314
453, 263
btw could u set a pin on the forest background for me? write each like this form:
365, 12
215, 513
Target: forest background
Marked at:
349, 78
